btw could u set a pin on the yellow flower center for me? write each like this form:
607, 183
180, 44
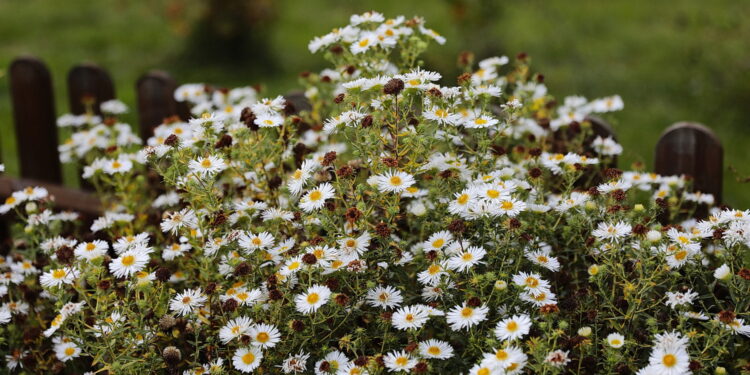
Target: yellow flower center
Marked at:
467, 257
350, 243
262, 337
438, 242
493, 193
507, 205
364, 42
395, 180
501, 355
10, 200
128, 260
433, 269
511, 326
483, 371
409, 318
257, 241
669, 360
116, 164
402, 361
532, 282
441, 113
206, 163
248, 358
463, 199
69, 351
90, 246
58, 273
467, 312
315, 195
312, 298
433, 350
480, 121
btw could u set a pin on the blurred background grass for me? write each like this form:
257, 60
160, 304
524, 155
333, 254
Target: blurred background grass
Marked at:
670, 61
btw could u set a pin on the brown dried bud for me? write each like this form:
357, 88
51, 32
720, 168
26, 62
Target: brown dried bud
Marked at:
695, 365
328, 158
435, 92
224, 141
420, 368
390, 162
413, 121
310, 258
289, 108
219, 218
474, 302
640, 229
661, 203
612, 173
171, 355
171, 140
242, 269
535, 152
64, 255
247, 117
166, 322
498, 150
393, 87
324, 366
352, 214
360, 361
332, 284
535, 172
549, 308
339, 98
344, 171
465, 59
104, 284
382, 230
727, 316
298, 326
618, 195
342, 299
229, 305
431, 255
367, 121
275, 295
463, 78
457, 226
744, 273
163, 274
514, 223
410, 347
336, 49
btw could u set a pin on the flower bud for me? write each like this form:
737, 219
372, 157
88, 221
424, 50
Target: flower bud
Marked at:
653, 236
585, 331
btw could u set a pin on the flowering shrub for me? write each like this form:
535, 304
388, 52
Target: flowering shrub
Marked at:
395, 225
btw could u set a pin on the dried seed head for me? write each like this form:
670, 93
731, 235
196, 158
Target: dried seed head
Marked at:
163, 274
166, 322
393, 87
171, 355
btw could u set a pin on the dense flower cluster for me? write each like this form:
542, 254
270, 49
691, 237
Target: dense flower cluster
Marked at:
390, 224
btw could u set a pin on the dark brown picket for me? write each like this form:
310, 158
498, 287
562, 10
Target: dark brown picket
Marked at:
35, 119
156, 101
88, 82
693, 150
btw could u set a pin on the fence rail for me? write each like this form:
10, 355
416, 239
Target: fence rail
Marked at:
684, 148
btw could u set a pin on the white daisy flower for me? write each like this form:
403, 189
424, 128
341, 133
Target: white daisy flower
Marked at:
246, 360
615, 340
91, 250
435, 349
399, 361
66, 351
58, 277
264, 335
513, 328
252, 242
393, 182
386, 297
234, 329
611, 232
409, 317
310, 301
184, 303
207, 166
315, 198
467, 259
128, 263
463, 316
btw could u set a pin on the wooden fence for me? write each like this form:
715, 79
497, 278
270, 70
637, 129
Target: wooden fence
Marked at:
684, 148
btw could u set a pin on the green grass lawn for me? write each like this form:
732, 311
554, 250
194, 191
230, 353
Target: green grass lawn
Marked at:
670, 61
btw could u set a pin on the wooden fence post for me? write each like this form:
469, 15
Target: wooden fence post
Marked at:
694, 150
88, 84
35, 119
156, 101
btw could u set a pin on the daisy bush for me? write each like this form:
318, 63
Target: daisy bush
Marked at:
389, 224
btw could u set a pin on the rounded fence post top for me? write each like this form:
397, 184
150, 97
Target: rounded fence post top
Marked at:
692, 126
